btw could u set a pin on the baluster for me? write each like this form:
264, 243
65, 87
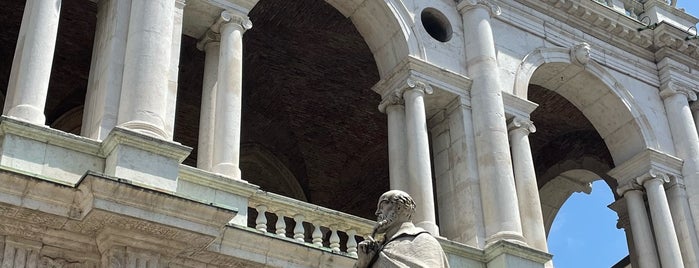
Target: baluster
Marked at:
298, 229
352, 243
281, 225
334, 241
317, 235
261, 220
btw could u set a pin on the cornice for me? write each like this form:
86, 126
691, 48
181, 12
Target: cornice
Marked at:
649, 160
618, 29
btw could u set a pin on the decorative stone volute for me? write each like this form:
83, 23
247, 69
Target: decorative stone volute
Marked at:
393, 98
521, 123
672, 88
209, 37
237, 19
653, 174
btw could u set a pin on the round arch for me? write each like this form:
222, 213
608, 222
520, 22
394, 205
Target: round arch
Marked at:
589, 87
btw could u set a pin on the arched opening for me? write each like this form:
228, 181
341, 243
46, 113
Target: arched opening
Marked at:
307, 105
578, 121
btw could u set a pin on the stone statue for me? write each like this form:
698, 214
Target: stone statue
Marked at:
403, 245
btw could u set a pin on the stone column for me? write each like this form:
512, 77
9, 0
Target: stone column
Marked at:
681, 217
418, 168
640, 225
31, 67
144, 94
226, 151
500, 205
106, 70
211, 46
666, 237
393, 106
686, 142
525, 180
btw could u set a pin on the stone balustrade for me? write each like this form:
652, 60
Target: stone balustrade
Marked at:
307, 223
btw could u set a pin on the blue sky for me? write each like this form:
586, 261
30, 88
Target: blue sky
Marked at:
584, 232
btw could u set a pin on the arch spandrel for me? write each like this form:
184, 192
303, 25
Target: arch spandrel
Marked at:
611, 108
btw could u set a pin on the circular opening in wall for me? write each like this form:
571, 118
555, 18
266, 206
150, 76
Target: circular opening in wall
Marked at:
436, 24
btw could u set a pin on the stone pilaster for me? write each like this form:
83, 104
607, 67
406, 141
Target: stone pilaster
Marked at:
418, 164
500, 205
226, 153
210, 43
525, 181
640, 225
31, 67
20, 253
666, 237
394, 107
145, 88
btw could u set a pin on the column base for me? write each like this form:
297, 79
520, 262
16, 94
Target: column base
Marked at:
227, 169
146, 161
511, 237
27, 113
431, 227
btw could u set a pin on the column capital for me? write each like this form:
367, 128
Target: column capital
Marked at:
236, 18
417, 85
518, 122
672, 88
653, 175
209, 37
395, 97
628, 187
465, 5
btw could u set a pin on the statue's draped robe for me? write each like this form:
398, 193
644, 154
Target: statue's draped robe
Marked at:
411, 247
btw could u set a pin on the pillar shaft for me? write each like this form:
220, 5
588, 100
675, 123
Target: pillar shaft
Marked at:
212, 47
226, 151
640, 229
500, 205
144, 94
106, 70
31, 66
397, 146
684, 207
681, 217
527, 190
418, 169
666, 238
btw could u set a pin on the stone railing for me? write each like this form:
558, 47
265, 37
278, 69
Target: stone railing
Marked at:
307, 223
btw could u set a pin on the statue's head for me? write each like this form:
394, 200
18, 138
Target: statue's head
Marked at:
394, 208
581, 53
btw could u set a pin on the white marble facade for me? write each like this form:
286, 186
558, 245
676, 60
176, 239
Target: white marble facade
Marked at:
465, 97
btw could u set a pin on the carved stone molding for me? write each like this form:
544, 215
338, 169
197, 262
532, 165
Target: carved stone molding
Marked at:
423, 87
626, 187
672, 88
465, 5
525, 124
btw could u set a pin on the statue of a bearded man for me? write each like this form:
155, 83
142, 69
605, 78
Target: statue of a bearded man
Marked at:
403, 245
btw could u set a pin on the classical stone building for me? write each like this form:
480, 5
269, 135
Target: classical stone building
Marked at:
259, 133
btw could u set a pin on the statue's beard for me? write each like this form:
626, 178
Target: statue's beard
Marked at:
385, 221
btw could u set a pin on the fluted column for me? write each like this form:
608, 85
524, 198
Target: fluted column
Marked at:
681, 217
640, 225
226, 153
144, 94
500, 205
211, 46
393, 106
666, 237
418, 169
31, 66
525, 180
